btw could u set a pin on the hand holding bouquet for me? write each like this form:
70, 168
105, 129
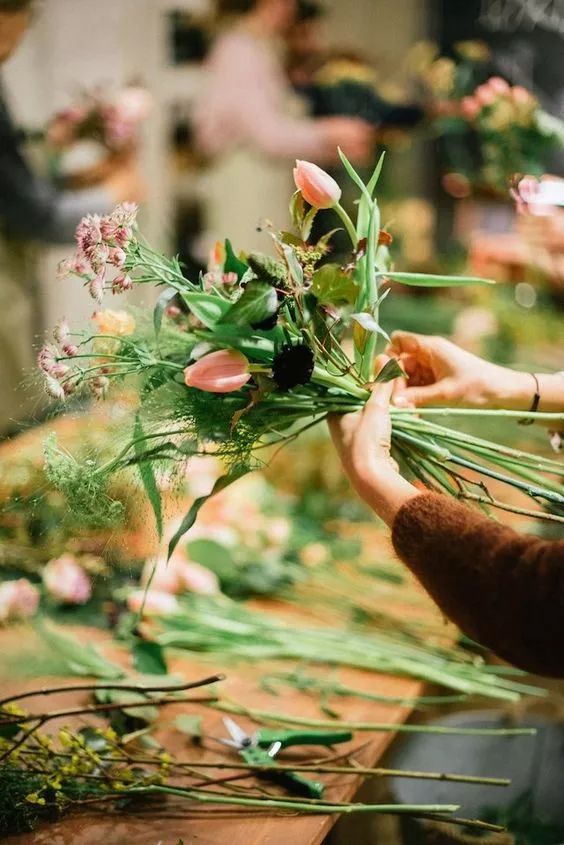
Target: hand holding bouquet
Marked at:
255, 352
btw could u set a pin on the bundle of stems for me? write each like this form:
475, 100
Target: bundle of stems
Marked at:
233, 631
254, 353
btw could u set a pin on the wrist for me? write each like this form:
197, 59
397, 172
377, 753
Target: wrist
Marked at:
515, 390
384, 490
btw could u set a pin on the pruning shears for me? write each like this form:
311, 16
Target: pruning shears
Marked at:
261, 747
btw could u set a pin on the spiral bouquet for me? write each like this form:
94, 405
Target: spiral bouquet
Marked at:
255, 352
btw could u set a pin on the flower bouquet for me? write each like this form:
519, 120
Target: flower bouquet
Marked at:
84, 139
255, 352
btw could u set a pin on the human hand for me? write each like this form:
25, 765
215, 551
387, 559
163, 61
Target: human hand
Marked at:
441, 373
354, 136
363, 442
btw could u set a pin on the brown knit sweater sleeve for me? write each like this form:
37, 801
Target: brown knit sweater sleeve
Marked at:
503, 589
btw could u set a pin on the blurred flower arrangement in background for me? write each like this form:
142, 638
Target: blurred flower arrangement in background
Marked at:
84, 139
491, 130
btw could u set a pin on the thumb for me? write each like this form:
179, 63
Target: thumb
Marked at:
378, 404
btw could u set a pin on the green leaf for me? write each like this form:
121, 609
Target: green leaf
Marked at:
148, 658
233, 264
371, 186
212, 555
426, 280
354, 175
294, 266
308, 223
189, 725
190, 518
389, 371
160, 308
257, 303
297, 209
332, 286
257, 347
147, 475
209, 308
81, 658
369, 324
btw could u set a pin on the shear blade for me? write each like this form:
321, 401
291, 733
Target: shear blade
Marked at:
239, 737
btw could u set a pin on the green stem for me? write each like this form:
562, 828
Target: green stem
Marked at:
209, 797
348, 224
254, 713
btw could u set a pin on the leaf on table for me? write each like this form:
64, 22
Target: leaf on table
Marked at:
80, 658
212, 555
148, 658
189, 725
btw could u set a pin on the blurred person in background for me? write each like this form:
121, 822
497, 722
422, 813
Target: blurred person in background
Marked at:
251, 125
503, 589
32, 210
340, 82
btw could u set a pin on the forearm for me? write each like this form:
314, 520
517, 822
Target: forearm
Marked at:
503, 589
384, 491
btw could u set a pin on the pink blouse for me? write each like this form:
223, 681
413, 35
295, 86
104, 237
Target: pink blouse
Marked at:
245, 102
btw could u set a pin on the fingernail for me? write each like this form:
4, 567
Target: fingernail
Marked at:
400, 402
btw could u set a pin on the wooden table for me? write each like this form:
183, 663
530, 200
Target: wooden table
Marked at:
169, 821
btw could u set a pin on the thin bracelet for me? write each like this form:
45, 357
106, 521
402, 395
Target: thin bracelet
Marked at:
535, 404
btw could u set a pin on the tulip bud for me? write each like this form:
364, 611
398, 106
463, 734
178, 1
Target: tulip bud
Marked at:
316, 186
219, 372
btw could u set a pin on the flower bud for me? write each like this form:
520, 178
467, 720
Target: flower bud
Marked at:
219, 372
316, 186
18, 599
66, 581
470, 107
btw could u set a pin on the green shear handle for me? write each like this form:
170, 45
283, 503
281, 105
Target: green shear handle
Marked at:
266, 737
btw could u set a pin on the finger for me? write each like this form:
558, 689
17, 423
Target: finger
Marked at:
432, 394
379, 401
402, 342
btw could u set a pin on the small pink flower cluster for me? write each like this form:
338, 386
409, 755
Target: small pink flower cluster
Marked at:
114, 122
491, 92
66, 581
18, 600
524, 190
60, 381
167, 579
102, 244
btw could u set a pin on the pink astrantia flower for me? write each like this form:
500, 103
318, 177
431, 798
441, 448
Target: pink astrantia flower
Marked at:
470, 107
219, 372
18, 600
61, 331
316, 186
66, 581
156, 603
485, 95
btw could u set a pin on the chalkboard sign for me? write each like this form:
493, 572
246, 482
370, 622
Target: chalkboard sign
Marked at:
526, 38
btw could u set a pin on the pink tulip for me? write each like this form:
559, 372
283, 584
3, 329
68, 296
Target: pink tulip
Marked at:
484, 95
155, 604
66, 581
317, 188
219, 372
470, 107
498, 85
18, 600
